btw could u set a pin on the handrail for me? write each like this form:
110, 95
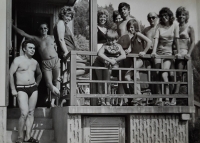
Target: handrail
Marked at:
74, 81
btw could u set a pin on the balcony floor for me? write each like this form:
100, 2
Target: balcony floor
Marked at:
122, 110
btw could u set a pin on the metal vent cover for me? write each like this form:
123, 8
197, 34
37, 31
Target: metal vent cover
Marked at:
104, 130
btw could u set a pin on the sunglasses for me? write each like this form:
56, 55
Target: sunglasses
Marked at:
43, 28
153, 17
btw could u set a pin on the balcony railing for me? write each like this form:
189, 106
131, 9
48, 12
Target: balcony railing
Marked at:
70, 83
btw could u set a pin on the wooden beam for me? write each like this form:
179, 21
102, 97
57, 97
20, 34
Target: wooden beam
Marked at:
124, 110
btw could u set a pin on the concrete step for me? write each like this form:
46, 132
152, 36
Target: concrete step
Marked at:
44, 136
39, 123
39, 113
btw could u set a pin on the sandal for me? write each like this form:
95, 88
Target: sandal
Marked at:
159, 103
19, 140
32, 140
167, 103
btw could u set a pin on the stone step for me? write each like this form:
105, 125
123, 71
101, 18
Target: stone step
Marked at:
39, 113
39, 123
44, 136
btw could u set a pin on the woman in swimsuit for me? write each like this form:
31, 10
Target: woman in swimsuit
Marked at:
165, 35
186, 42
102, 17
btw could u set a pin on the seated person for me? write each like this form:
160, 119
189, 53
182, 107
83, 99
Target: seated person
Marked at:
111, 53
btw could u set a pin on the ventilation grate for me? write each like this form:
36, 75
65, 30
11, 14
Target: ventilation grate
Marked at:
104, 133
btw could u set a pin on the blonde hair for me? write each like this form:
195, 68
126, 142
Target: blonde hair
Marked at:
66, 10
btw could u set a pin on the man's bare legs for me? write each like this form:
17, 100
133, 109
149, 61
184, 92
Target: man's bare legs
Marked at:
27, 107
22, 99
56, 73
30, 118
49, 77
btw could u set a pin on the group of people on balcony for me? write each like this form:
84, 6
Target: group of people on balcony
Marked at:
162, 37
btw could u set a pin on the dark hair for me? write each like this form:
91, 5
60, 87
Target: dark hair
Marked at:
102, 12
182, 10
111, 34
115, 14
170, 14
41, 23
123, 4
24, 44
134, 23
66, 10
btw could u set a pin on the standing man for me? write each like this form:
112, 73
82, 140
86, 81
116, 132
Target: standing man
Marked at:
50, 60
150, 31
124, 10
25, 88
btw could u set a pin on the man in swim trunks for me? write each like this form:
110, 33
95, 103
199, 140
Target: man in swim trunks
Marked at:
50, 60
25, 88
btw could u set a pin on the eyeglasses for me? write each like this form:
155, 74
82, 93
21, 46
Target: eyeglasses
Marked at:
153, 17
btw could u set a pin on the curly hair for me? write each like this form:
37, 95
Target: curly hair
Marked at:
24, 44
123, 4
65, 11
170, 14
181, 10
134, 23
102, 12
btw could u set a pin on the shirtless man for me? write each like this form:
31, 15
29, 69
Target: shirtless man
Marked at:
50, 60
124, 10
150, 31
25, 88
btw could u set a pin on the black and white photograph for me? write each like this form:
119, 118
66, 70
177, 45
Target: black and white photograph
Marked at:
100, 71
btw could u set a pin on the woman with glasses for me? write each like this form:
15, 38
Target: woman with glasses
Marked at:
186, 42
165, 35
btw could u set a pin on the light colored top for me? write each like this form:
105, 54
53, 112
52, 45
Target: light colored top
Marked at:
166, 37
184, 40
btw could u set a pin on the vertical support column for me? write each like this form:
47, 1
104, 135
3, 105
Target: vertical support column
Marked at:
190, 87
74, 130
3, 116
73, 79
8, 45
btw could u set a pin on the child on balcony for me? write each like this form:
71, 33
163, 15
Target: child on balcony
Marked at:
137, 47
110, 53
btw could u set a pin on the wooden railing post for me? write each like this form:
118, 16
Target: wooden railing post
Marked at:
73, 79
190, 83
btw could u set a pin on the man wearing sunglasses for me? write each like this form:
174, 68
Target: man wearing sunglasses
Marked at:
50, 61
150, 31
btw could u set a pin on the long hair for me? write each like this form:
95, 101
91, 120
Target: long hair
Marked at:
134, 23
170, 14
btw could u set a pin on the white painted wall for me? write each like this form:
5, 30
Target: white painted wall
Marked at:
2, 52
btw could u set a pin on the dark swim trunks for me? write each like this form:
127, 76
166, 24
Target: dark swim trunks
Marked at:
29, 89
